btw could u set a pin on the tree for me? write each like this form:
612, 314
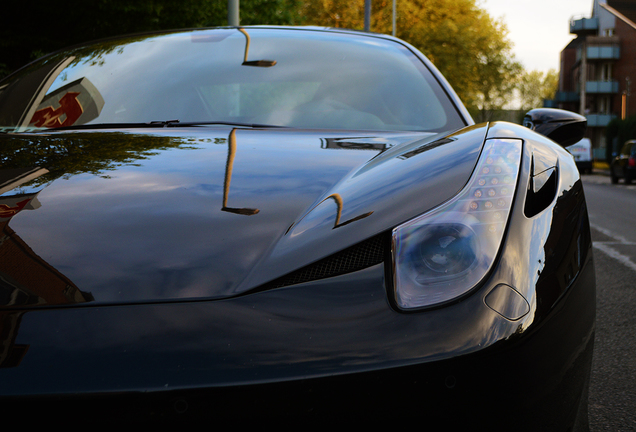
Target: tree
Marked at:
29, 30
496, 73
467, 45
535, 86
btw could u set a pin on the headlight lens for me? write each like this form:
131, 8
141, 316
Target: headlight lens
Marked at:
442, 254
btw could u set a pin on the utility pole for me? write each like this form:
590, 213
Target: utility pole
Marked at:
233, 13
583, 79
393, 27
367, 15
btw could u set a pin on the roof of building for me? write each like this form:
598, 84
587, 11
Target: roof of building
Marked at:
574, 43
627, 8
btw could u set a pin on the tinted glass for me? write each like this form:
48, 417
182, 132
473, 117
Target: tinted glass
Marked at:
629, 148
297, 78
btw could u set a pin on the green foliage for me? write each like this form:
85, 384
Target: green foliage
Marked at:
535, 86
271, 12
468, 46
509, 115
53, 25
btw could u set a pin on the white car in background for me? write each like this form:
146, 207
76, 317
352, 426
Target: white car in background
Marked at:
582, 152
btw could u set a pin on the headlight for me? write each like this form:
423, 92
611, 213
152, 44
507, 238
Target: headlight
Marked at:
444, 253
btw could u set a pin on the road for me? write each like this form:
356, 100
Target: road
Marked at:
612, 210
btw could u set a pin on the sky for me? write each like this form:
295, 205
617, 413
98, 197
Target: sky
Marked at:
539, 29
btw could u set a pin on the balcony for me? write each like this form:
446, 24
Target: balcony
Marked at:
603, 52
603, 48
561, 97
601, 87
584, 25
599, 120
567, 97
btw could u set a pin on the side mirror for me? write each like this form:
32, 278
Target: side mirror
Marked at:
563, 127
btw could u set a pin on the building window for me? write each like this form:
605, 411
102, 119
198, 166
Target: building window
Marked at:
604, 105
606, 72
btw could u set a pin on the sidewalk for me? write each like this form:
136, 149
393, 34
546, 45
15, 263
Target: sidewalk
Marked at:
600, 168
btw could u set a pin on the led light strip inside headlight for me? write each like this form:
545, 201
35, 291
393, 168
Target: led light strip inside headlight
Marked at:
442, 254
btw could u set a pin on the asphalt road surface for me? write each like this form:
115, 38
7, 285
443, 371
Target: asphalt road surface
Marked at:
612, 210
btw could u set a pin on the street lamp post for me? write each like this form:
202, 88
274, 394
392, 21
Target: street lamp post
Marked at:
367, 15
233, 13
393, 27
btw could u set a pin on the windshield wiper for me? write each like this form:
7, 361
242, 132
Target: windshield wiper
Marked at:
164, 123
227, 123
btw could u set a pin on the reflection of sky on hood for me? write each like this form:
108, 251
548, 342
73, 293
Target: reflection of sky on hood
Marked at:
156, 230
394, 191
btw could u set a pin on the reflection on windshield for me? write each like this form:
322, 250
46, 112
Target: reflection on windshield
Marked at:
320, 80
20, 98
257, 63
78, 102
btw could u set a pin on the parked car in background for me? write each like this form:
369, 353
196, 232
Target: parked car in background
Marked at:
582, 152
275, 224
623, 165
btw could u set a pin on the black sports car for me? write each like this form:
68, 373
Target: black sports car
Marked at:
245, 224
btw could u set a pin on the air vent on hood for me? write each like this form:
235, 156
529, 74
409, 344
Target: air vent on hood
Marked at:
362, 255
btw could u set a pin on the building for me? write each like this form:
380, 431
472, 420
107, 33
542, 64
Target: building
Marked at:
598, 69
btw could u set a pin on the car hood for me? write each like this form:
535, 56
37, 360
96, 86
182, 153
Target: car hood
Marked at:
146, 215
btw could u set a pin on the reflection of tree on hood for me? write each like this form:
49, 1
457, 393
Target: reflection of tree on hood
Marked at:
77, 153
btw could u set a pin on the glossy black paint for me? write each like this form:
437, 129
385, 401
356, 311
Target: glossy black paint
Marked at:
345, 325
158, 228
167, 323
564, 127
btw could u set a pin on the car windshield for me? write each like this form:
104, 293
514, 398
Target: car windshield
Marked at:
279, 77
